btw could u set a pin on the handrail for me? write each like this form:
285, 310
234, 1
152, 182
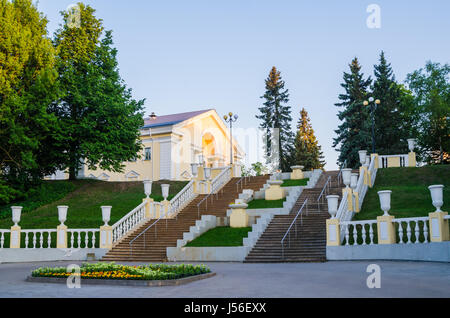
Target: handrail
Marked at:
214, 185
305, 204
175, 203
241, 182
128, 215
323, 189
144, 231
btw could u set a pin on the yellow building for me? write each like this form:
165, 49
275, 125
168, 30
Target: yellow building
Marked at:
170, 144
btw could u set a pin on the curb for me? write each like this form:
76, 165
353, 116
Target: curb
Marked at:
116, 282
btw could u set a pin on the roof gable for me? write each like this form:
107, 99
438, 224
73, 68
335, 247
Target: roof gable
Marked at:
173, 119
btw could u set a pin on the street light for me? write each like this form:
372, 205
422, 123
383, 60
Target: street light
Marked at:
230, 118
152, 117
373, 105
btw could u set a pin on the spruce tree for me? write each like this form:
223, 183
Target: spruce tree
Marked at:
99, 119
275, 113
392, 124
354, 133
307, 149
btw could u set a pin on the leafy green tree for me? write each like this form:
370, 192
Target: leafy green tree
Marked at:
99, 119
28, 86
275, 113
307, 149
393, 122
431, 89
354, 133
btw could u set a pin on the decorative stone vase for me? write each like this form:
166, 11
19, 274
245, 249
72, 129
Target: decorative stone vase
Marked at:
165, 191
362, 156
62, 213
147, 188
194, 169
437, 196
332, 204
16, 212
411, 144
106, 214
385, 200
353, 180
239, 216
346, 176
274, 192
297, 172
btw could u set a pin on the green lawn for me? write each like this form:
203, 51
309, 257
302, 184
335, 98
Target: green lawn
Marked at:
410, 195
295, 183
264, 204
84, 200
221, 236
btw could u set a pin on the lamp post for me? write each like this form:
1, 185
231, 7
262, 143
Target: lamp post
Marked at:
230, 118
152, 117
373, 106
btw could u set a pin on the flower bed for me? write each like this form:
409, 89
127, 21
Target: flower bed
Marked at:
124, 272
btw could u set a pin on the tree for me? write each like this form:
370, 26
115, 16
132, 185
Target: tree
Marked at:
392, 121
354, 133
100, 121
431, 89
28, 86
307, 149
276, 114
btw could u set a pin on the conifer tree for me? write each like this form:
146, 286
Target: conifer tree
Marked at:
307, 149
392, 122
99, 119
354, 133
275, 113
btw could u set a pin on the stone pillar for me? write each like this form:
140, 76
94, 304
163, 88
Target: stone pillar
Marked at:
349, 193
239, 216
356, 207
297, 173
386, 229
274, 192
149, 213
333, 232
106, 239
365, 172
412, 159
165, 208
15, 237
61, 236
439, 231
375, 157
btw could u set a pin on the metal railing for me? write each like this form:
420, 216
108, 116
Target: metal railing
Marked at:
241, 182
146, 230
294, 222
339, 177
326, 187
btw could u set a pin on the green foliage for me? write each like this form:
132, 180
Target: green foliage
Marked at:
275, 113
221, 236
99, 120
28, 85
125, 272
353, 134
307, 149
431, 89
295, 183
265, 204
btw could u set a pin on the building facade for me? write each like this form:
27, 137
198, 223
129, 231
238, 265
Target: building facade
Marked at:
170, 144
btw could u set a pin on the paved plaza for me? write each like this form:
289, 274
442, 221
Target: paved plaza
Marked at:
330, 279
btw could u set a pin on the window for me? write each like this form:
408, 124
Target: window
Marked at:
148, 154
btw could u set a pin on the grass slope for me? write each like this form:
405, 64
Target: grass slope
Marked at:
221, 236
295, 183
410, 195
264, 204
84, 203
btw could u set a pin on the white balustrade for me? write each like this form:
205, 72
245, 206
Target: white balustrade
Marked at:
130, 221
409, 226
2, 237
76, 238
362, 232
186, 195
38, 238
221, 179
383, 160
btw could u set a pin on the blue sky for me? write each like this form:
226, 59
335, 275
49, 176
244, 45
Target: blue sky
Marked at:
191, 55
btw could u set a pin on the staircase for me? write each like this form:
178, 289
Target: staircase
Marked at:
167, 231
310, 243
